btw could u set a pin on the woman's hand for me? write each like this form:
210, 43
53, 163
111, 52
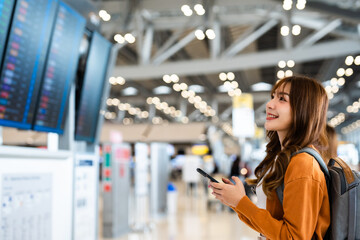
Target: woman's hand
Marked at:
228, 193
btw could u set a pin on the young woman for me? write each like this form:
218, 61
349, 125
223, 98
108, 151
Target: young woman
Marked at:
295, 118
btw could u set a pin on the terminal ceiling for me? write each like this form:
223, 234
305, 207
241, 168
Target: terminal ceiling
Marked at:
247, 42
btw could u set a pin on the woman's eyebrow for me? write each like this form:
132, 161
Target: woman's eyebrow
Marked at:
283, 93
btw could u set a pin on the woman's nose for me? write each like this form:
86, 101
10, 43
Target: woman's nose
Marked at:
270, 104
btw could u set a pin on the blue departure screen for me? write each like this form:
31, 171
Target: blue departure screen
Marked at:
92, 88
24, 60
6, 8
60, 70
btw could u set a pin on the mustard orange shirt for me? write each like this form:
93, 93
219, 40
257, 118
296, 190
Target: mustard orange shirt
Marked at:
305, 211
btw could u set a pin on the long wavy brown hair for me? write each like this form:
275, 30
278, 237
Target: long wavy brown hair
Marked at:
309, 103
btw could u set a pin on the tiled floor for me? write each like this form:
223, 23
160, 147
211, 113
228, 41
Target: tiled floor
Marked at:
193, 220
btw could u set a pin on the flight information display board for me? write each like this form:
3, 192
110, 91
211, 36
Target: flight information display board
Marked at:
24, 61
6, 8
92, 89
60, 70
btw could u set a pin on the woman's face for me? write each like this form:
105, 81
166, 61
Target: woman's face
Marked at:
278, 111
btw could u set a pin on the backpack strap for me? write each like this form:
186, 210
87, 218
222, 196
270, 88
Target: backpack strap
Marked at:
352, 184
352, 213
317, 156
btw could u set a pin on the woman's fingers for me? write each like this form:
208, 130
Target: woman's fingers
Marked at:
227, 181
215, 185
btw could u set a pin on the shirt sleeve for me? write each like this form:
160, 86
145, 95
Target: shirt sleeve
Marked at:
302, 203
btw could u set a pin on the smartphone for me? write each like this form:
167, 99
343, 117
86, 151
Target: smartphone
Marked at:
206, 175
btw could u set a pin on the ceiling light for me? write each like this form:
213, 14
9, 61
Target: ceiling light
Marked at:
230, 76
149, 100
144, 114
222, 89
231, 92
228, 86
129, 37
349, 60
334, 89
130, 91
176, 87
296, 30
282, 64
185, 120
238, 92
112, 80
284, 30
115, 101
199, 9
357, 60
195, 89
234, 84
300, 5
203, 104
178, 113
333, 81
210, 34
121, 107
102, 13
174, 78
328, 89
161, 90
222, 76
120, 80
199, 34
197, 105
261, 86
280, 74
155, 100
109, 101
290, 63
164, 105
191, 92
188, 13
288, 73
185, 94
118, 38
167, 111
167, 78
330, 95
185, 8
349, 72
340, 72
197, 99
287, 5
183, 86
132, 111
106, 17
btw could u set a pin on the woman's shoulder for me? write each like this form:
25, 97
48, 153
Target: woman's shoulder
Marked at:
301, 166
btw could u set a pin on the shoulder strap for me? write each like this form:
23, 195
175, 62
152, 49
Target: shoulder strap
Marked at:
317, 156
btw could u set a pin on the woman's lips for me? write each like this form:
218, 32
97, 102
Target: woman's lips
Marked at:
271, 116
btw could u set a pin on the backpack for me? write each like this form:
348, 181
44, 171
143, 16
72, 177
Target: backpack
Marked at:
344, 195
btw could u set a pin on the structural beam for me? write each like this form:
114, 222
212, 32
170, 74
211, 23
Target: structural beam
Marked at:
147, 44
331, 49
245, 41
320, 34
173, 49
